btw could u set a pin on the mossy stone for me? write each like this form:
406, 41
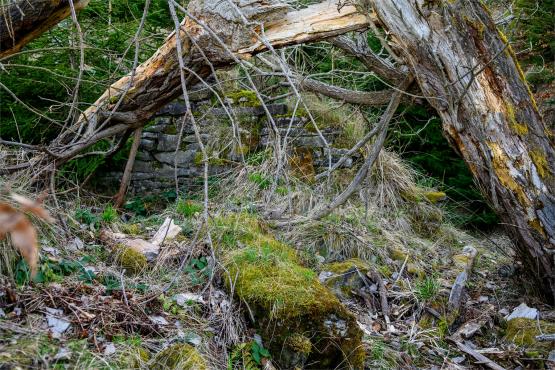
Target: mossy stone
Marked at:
435, 196
345, 278
132, 261
244, 98
180, 356
286, 299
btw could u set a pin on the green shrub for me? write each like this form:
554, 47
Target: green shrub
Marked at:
260, 179
85, 216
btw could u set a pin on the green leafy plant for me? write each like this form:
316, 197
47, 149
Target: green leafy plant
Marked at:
247, 356
260, 179
198, 270
85, 216
188, 208
110, 214
258, 352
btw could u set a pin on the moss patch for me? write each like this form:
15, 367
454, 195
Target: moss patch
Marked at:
285, 298
179, 356
244, 98
523, 332
132, 261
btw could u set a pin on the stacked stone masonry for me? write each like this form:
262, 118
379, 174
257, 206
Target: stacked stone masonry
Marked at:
163, 156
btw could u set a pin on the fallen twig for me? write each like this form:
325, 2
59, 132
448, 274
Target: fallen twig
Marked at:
478, 356
546, 337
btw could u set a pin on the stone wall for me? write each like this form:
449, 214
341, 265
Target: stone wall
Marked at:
161, 150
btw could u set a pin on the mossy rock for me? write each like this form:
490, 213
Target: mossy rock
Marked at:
344, 278
435, 196
131, 260
244, 98
180, 356
523, 332
287, 300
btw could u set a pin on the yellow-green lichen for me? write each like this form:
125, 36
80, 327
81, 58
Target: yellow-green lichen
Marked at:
461, 260
477, 25
540, 161
131, 260
133, 358
519, 128
179, 356
510, 52
131, 229
345, 266
398, 254
435, 196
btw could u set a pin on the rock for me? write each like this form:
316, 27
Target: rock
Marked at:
75, 244
109, 349
166, 232
121, 242
184, 299
287, 300
142, 166
57, 322
147, 144
523, 312
181, 157
167, 143
342, 278
179, 356
159, 320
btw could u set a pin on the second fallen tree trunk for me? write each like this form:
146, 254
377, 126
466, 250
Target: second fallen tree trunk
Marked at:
469, 74
21, 21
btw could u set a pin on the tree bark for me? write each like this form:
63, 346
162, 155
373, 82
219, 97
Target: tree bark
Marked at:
470, 75
21, 21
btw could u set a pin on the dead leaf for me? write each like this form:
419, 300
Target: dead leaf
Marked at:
23, 235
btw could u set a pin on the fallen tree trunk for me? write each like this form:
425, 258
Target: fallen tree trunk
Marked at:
21, 21
212, 37
470, 75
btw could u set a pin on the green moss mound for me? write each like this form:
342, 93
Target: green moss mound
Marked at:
244, 98
179, 356
132, 261
523, 332
286, 300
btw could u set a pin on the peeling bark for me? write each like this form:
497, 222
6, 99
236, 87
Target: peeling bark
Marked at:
470, 75
21, 21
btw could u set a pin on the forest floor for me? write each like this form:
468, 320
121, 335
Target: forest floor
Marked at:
96, 303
